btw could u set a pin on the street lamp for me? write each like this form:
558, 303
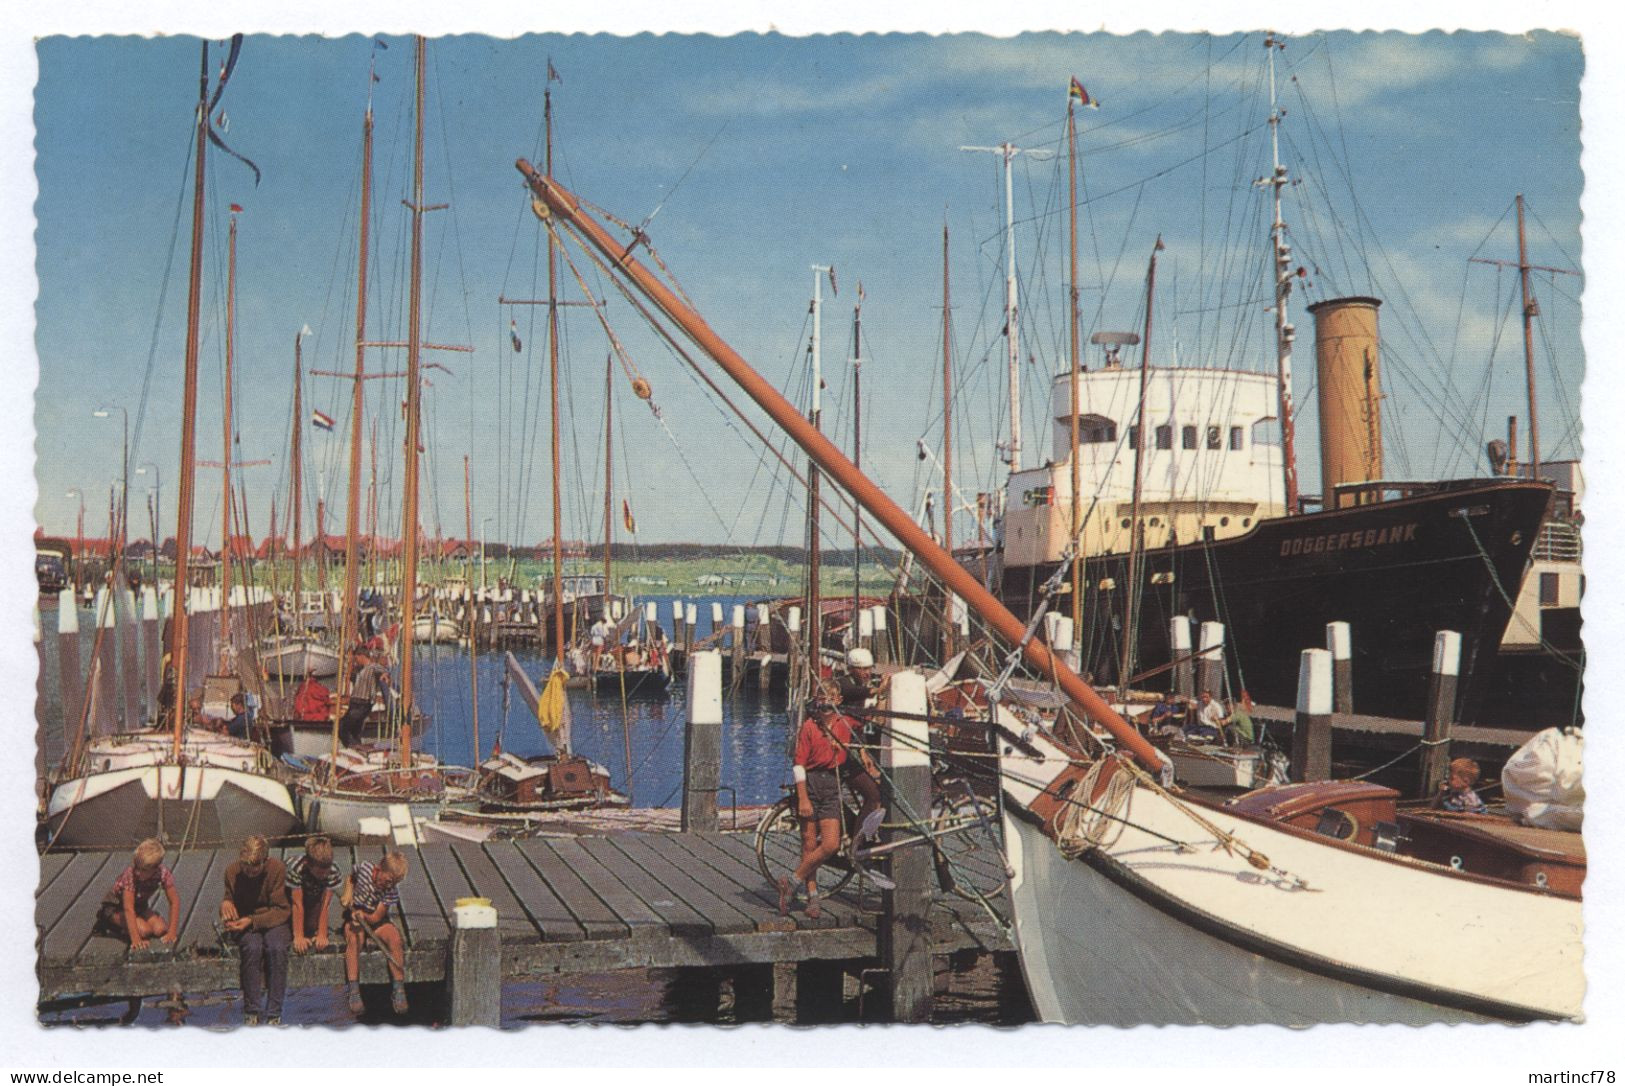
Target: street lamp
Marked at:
124, 476
483, 522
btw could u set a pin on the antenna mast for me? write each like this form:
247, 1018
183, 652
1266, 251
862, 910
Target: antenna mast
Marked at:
1281, 254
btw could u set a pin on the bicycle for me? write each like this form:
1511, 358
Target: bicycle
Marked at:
956, 811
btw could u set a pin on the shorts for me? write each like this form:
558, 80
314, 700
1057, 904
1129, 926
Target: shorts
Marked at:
107, 925
824, 790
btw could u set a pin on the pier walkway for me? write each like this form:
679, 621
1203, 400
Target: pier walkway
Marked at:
575, 904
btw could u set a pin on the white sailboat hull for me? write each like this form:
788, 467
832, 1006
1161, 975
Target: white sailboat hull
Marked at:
1145, 931
296, 659
198, 804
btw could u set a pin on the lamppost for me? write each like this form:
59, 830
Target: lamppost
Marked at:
79, 540
483, 522
124, 474
156, 493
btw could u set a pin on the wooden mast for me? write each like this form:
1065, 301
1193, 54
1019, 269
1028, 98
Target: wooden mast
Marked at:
298, 476
473, 641
947, 444
1077, 366
815, 597
348, 624
609, 479
183, 526
225, 430
892, 518
414, 395
553, 392
857, 458
1281, 269
1136, 532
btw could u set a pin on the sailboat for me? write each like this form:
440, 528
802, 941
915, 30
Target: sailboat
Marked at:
394, 783
190, 785
1223, 915
295, 653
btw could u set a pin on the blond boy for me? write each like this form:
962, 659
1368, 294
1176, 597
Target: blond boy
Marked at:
127, 908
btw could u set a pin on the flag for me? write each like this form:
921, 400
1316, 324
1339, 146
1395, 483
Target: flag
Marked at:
236, 209
513, 336
553, 75
626, 515
1076, 91
321, 421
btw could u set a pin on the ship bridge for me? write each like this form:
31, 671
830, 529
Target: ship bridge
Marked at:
1209, 469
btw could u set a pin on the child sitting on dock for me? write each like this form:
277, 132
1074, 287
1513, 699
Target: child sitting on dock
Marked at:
127, 909
1458, 794
254, 908
312, 878
372, 892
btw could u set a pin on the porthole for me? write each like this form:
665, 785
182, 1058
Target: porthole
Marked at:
1224, 522
1246, 522
1125, 523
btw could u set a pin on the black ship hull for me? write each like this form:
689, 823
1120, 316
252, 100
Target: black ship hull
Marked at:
1396, 571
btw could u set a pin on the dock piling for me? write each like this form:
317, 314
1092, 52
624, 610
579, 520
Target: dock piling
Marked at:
1341, 645
904, 933
736, 644
106, 653
1210, 666
883, 646
1312, 735
702, 743
70, 677
1441, 710
151, 650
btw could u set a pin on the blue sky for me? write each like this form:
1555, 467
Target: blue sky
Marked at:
764, 155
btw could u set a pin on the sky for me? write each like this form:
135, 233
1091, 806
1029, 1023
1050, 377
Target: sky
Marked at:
757, 157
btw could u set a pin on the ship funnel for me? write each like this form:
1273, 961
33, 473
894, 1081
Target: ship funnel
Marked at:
1347, 357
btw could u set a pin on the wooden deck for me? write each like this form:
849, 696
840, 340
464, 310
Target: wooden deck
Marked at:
564, 905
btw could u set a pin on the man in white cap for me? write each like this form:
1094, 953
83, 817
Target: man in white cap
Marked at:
859, 771
858, 686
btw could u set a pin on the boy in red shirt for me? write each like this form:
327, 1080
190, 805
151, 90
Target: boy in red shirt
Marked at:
820, 752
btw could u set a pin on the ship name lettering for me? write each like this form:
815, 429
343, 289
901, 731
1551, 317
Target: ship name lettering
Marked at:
1347, 541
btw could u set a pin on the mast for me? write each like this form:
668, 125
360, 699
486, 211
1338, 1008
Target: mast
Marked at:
553, 387
1136, 536
1001, 623
352, 511
1012, 328
183, 526
225, 429
609, 478
815, 596
1281, 259
473, 641
1077, 363
947, 443
1530, 310
298, 475
414, 396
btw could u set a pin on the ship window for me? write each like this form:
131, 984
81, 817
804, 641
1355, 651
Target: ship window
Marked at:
1246, 522
1096, 430
1165, 437
1134, 437
1235, 438
1224, 522
1125, 522
1548, 589
1214, 437
1188, 437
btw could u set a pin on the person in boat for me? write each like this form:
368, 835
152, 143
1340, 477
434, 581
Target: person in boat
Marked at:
601, 633
312, 878
372, 891
255, 909
1208, 727
657, 645
127, 910
859, 771
238, 726
1240, 728
1458, 793
820, 751
370, 680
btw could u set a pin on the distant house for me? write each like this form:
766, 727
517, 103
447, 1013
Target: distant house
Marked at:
711, 580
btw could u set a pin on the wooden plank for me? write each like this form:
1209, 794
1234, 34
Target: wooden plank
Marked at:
653, 854
682, 918
51, 865
199, 877
597, 919
419, 913
521, 896
514, 922
841, 910
739, 874
66, 915
629, 908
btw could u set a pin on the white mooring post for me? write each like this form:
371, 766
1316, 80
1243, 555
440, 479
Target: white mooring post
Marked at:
474, 965
905, 935
1179, 647
1441, 710
883, 643
70, 674
1312, 736
151, 649
736, 645
702, 743
106, 665
1340, 644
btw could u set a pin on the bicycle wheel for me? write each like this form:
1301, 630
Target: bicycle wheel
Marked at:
962, 826
778, 850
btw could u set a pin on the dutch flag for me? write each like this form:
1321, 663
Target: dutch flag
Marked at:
321, 421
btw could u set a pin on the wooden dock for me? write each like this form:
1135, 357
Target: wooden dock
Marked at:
566, 904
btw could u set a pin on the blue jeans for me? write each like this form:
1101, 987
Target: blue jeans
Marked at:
265, 969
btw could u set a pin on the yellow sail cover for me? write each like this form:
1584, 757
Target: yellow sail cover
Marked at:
552, 709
